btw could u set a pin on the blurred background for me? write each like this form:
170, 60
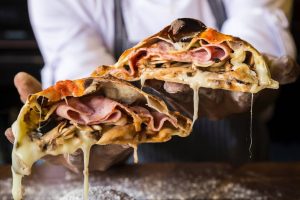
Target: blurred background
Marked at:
19, 52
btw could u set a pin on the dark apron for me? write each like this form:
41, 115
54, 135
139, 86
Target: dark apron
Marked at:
222, 140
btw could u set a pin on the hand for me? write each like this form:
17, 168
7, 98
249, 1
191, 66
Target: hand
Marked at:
218, 104
102, 157
25, 85
283, 69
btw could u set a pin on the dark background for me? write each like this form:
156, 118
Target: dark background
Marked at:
19, 52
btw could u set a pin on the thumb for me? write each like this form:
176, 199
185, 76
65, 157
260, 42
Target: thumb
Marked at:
26, 85
9, 135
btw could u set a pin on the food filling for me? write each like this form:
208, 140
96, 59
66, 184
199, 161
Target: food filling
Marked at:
216, 58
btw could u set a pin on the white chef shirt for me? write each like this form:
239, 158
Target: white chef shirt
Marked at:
75, 36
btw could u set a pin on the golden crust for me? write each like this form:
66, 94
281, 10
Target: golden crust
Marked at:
214, 37
63, 89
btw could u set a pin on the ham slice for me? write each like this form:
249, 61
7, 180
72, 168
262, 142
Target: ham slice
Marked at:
205, 55
155, 119
98, 109
90, 110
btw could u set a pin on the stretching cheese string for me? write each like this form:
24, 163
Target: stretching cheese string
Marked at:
135, 154
196, 103
86, 157
251, 128
17, 191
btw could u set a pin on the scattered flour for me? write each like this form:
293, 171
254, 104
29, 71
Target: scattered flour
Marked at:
97, 193
236, 191
127, 187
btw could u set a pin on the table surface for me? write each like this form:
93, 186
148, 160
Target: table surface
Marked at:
169, 180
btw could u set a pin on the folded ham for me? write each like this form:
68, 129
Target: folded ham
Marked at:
203, 56
90, 110
155, 119
101, 110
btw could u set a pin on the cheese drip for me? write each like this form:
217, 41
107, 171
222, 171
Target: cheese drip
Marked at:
86, 157
251, 126
22, 161
87, 143
196, 103
194, 84
17, 185
135, 154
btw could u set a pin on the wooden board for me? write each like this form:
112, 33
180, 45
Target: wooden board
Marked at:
167, 181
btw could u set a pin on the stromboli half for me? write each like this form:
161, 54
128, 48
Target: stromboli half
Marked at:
41, 129
188, 52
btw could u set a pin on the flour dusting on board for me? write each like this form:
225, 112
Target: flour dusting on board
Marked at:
141, 187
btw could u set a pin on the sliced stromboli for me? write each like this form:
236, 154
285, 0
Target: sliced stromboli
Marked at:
187, 52
190, 53
99, 110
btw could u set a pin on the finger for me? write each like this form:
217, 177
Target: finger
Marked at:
103, 157
229, 103
125, 146
172, 87
291, 72
26, 85
283, 69
211, 103
9, 135
213, 95
73, 162
269, 58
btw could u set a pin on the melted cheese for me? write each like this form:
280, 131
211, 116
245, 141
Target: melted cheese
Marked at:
23, 153
86, 157
196, 103
17, 185
28, 152
135, 154
251, 126
194, 82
